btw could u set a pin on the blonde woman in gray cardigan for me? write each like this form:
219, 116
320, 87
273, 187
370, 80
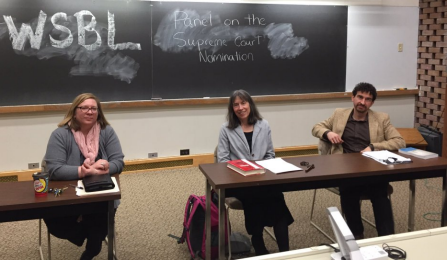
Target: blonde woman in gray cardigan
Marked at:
247, 136
83, 144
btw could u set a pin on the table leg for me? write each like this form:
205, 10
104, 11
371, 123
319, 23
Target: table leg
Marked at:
411, 205
222, 224
111, 228
444, 201
208, 220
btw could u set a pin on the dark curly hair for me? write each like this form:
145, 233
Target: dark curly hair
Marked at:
366, 88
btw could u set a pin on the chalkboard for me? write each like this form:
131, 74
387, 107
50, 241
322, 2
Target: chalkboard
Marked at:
208, 50
52, 50
44, 74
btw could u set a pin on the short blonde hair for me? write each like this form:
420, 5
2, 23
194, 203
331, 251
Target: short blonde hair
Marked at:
70, 119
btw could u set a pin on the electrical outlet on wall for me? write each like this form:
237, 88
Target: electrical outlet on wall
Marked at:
33, 165
184, 152
152, 155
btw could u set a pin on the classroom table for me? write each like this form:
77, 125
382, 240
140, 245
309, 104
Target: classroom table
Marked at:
19, 203
330, 171
413, 138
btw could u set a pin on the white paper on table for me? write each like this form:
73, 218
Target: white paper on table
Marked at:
82, 192
382, 156
278, 165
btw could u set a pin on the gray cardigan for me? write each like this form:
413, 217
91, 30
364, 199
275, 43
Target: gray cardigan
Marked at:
63, 156
233, 145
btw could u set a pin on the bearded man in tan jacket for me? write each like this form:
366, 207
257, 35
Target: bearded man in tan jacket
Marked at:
360, 129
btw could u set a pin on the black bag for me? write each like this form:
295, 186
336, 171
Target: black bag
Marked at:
98, 182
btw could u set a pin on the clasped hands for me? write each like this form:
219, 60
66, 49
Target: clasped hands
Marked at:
99, 167
334, 138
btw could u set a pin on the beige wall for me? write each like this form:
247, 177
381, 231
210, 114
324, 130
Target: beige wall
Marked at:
167, 130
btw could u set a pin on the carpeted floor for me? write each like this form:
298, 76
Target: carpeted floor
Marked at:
153, 205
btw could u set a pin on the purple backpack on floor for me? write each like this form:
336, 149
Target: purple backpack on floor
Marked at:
194, 227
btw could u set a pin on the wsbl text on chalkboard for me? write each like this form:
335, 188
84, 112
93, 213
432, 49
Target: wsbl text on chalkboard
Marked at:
53, 50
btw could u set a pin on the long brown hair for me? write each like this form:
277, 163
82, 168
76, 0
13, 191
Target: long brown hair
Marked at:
253, 117
70, 119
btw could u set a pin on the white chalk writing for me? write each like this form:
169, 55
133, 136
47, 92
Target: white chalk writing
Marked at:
187, 30
239, 42
111, 37
198, 42
67, 41
94, 58
183, 17
19, 39
253, 20
89, 28
210, 58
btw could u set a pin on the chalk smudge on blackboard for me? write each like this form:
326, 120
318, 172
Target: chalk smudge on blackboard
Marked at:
54, 38
282, 43
187, 30
104, 62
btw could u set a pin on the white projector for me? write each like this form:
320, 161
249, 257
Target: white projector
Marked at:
368, 253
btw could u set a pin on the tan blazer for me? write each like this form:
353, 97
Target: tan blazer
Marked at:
382, 133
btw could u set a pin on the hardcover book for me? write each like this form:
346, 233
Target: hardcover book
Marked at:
245, 167
418, 153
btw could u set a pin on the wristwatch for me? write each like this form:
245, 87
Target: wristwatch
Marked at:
371, 146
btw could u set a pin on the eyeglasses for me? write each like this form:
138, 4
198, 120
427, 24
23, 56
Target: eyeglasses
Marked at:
86, 109
308, 165
394, 160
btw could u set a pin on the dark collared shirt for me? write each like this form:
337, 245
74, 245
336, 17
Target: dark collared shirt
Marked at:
356, 135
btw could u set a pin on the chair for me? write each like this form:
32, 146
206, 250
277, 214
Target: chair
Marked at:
44, 169
336, 191
235, 204
114, 243
49, 243
40, 241
324, 148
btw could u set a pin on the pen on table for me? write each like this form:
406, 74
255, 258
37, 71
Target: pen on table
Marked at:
400, 88
74, 186
310, 168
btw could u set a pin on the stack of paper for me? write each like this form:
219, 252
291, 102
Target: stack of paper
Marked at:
278, 165
386, 157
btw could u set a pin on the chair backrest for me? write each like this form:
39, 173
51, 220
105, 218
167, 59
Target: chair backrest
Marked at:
44, 166
324, 147
215, 154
